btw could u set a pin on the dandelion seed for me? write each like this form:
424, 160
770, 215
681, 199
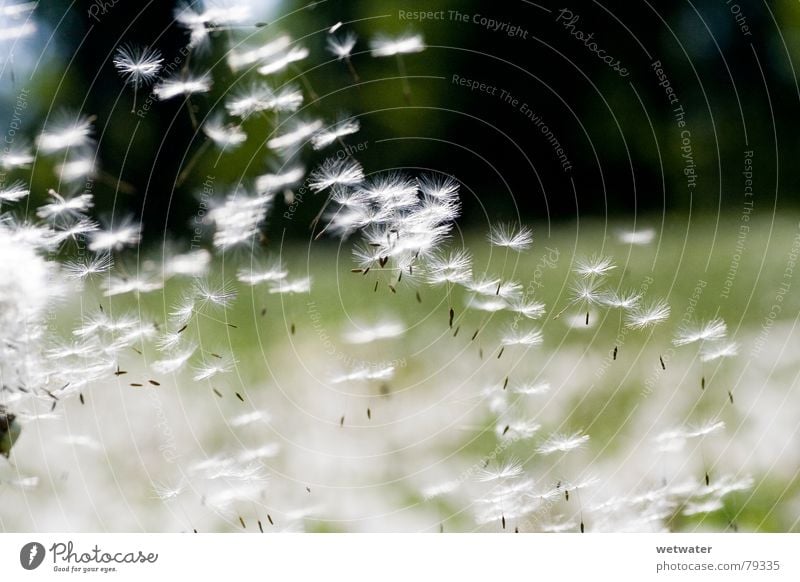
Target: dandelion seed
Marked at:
224, 135
511, 237
342, 47
299, 133
623, 301
521, 337
301, 285
562, 443
207, 294
116, 237
454, 268
727, 350
279, 62
710, 331
531, 389
174, 363
138, 66
340, 129
263, 273
597, 266
366, 374
268, 183
367, 334
14, 192
269, 517
76, 169
334, 172
511, 468
16, 156
637, 237
645, 316
240, 59
383, 46
175, 86
194, 263
238, 219
213, 368
66, 132
260, 97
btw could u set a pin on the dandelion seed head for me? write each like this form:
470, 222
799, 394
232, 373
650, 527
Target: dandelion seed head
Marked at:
139, 66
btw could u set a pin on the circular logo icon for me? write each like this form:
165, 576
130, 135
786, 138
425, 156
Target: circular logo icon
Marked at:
31, 555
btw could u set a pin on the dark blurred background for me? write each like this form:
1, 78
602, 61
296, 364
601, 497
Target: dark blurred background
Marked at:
731, 65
